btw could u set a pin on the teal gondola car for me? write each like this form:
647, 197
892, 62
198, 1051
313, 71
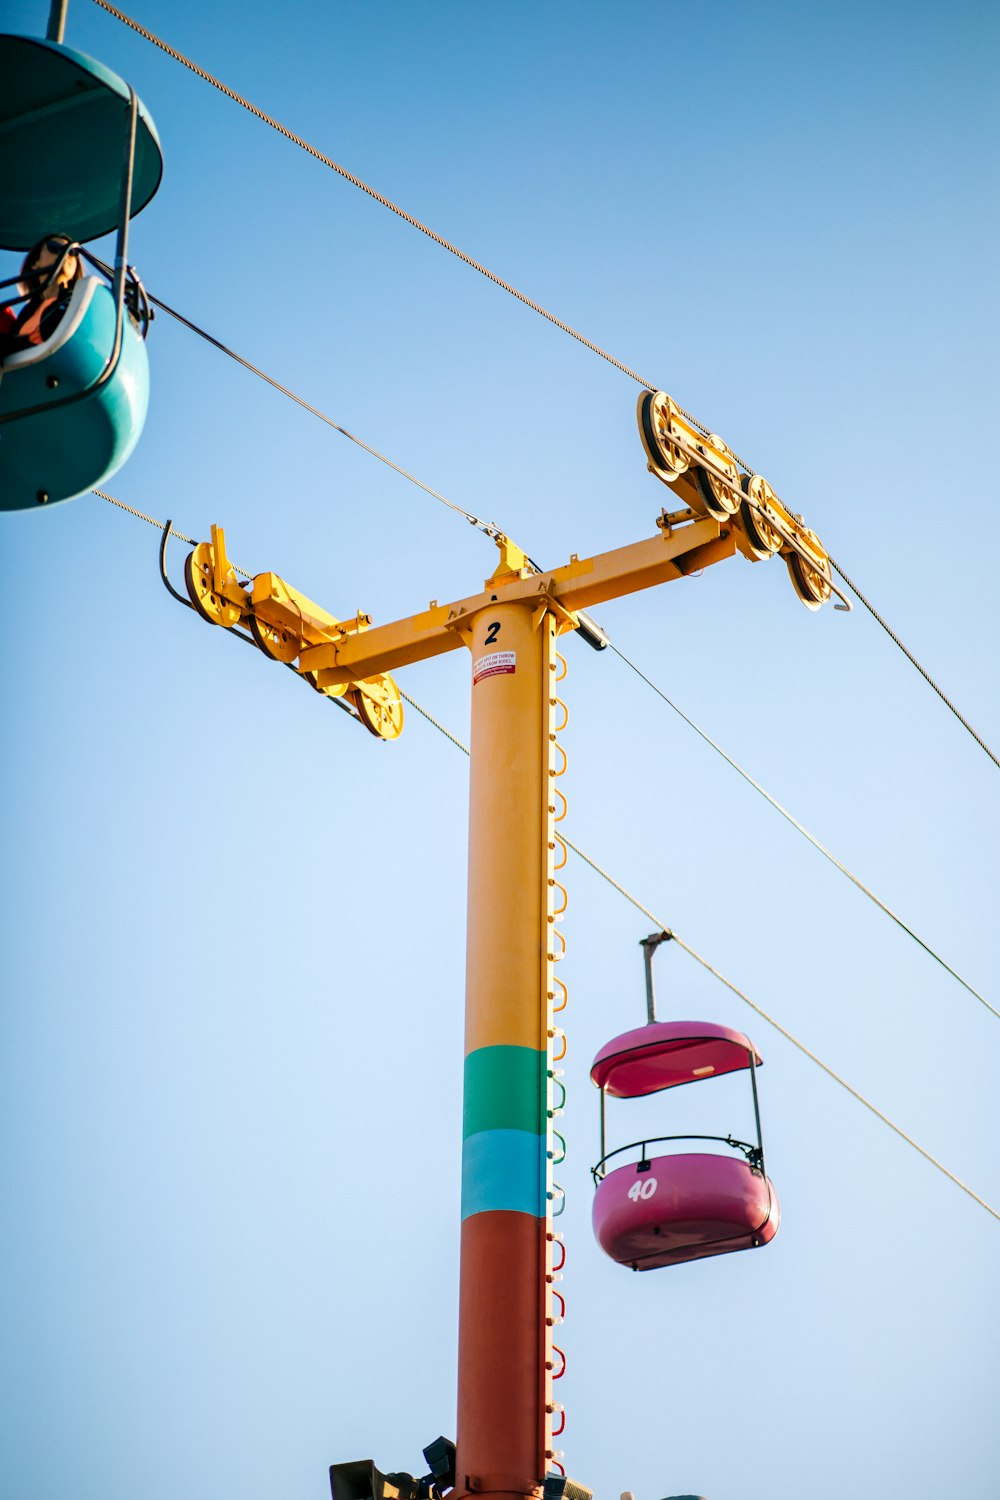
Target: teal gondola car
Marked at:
80, 156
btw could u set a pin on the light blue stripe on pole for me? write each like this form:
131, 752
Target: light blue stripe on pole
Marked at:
503, 1169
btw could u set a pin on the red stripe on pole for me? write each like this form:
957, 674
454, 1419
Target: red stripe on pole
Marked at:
502, 1333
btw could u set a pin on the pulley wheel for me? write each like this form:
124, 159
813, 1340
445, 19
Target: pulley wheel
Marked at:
200, 581
764, 538
379, 706
277, 643
654, 411
811, 583
721, 500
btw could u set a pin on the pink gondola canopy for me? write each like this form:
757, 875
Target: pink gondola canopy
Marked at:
665, 1054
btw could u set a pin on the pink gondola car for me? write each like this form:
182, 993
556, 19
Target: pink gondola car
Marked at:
662, 1210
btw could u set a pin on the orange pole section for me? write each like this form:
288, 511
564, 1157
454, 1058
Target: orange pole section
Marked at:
505, 1351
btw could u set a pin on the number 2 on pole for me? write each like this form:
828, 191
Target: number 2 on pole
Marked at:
644, 1189
492, 631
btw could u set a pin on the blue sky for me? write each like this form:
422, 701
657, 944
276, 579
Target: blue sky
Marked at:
233, 932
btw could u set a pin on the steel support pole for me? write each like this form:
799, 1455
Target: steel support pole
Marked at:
56, 29
505, 1345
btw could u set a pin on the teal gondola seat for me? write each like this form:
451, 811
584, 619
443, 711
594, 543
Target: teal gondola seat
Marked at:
77, 429
79, 156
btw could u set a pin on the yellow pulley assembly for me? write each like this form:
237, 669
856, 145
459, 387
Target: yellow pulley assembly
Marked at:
702, 469
283, 623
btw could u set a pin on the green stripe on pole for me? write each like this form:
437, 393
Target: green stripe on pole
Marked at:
505, 1090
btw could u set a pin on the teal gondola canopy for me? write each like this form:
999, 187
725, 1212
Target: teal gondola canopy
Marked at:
61, 133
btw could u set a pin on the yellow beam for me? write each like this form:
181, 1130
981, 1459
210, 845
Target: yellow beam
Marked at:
285, 608
581, 583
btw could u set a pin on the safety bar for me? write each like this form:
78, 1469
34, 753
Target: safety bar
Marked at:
752, 1153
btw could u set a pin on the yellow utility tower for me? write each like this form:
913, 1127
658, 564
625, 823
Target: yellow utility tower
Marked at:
508, 1304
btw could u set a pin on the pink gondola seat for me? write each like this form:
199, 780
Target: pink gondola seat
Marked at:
664, 1210
686, 1207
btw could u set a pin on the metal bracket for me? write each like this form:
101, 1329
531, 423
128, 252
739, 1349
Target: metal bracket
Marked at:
567, 619
514, 562
649, 946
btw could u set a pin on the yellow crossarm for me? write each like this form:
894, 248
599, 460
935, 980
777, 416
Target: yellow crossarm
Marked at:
579, 584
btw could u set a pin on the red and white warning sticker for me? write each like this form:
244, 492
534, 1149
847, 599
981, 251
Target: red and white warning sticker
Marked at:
495, 664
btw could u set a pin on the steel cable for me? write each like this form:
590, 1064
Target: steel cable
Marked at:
485, 526
141, 516
789, 817
913, 661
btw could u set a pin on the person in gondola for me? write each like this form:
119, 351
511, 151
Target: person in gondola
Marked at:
49, 273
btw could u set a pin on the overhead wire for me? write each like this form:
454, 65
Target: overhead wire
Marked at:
142, 516
488, 527
913, 660
801, 828
506, 286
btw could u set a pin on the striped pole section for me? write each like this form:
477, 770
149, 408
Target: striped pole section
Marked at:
505, 1349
